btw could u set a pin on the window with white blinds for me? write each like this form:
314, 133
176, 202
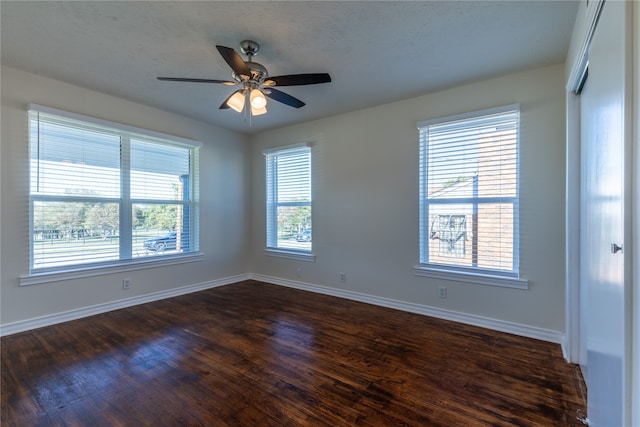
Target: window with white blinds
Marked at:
469, 192
101, 192
289, 199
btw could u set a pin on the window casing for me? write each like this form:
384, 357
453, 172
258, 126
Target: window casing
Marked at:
101, 193
469, 193
289, 199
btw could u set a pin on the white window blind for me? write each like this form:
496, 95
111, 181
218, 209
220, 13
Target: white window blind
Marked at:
100, 193
469, 192
289, 199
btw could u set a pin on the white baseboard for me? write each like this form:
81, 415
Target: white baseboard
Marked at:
52, 319
469, 319
548, 335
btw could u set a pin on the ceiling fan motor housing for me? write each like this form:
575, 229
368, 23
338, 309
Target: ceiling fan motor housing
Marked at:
258, 71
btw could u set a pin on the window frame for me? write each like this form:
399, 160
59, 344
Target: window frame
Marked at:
272, 204
463, 273
125, 261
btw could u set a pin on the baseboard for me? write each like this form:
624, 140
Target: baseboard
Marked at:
555, 337
52, 319
469, 319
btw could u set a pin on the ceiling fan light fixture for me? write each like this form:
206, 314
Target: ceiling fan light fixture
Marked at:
236, 101
258, 100
258, 111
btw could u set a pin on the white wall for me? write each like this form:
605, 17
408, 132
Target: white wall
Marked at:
365, 201
223, 210
365, 212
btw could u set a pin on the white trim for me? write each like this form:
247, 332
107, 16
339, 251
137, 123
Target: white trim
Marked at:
579, 67
299, 171
572, 348
110, 268
572, 230
470, 114
443, 129
564, 346
475, 278
548, 335
272, 150
298, 256
634, 258
113, 125
52, 319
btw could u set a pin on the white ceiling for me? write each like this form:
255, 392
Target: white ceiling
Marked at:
375, 51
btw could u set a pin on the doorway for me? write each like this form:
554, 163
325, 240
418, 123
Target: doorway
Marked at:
604, 282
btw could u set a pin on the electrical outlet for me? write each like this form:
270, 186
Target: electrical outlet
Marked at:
299, 273
443, 291
126, 283
343, 277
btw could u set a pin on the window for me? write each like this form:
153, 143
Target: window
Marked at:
469, 192
102, 192
289, 199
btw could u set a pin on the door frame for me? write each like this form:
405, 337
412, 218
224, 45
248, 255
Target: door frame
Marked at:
577, 67
572, 343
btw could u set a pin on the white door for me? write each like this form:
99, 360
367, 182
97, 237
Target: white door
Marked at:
602, 220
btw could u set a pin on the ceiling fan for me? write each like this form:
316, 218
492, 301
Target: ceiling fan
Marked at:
254, 81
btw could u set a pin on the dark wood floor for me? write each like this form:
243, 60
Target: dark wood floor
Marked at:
253, 354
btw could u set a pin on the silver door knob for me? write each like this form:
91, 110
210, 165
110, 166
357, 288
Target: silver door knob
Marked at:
615, 248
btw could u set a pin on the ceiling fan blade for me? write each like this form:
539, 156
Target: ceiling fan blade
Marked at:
234, 60
183, 79
280, 96
301, 79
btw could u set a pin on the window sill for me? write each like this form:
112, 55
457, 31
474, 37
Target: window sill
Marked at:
480, 279
298, 256
116, 267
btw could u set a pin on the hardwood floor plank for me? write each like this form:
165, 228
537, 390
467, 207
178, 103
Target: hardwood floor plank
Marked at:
254, 354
